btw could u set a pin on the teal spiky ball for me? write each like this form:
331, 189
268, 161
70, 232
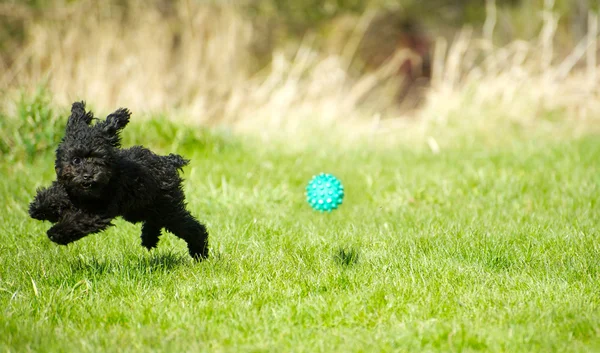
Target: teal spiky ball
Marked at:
324, 192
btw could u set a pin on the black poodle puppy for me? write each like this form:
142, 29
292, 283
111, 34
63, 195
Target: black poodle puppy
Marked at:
98, 181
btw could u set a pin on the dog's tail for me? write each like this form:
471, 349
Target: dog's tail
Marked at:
177, 161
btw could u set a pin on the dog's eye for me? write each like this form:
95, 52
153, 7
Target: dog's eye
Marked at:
76, 160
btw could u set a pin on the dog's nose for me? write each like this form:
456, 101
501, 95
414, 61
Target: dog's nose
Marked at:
87, 176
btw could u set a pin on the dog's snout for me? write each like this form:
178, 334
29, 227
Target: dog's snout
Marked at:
87, 176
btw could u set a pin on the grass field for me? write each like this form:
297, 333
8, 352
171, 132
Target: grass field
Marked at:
476, 248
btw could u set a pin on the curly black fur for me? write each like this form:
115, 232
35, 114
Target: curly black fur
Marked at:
98, 181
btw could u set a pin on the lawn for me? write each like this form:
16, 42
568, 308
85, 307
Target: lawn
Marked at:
476, 248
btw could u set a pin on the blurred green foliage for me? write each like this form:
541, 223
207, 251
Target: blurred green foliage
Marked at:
299, 16
35, 127
279, 21
309, 13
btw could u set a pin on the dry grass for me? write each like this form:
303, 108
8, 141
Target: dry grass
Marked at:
521, 82
150, 61
194, 64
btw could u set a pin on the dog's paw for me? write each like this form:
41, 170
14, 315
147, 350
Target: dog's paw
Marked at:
48, 204
57, 237
198, 253
63, 233
42, 212
36, 212
149, 244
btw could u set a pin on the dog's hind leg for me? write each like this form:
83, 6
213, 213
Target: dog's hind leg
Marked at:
186, 227
150, 235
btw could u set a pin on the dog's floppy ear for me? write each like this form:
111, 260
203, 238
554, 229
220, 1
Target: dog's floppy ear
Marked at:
114, 123
117, 120
79, 116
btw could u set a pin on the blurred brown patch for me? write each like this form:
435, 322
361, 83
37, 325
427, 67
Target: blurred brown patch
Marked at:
389, 34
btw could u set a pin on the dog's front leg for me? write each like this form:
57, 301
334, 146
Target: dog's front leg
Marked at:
49, 203
76, 224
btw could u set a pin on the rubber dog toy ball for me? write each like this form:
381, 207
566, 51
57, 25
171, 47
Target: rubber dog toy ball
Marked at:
324, 192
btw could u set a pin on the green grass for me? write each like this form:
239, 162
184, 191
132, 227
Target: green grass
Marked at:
488, 248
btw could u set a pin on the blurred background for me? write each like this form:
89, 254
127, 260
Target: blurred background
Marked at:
274, 65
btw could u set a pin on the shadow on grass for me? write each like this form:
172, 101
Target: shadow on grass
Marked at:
161, 262
155, 262
346, 257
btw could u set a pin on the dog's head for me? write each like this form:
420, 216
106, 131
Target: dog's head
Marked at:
85, 158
